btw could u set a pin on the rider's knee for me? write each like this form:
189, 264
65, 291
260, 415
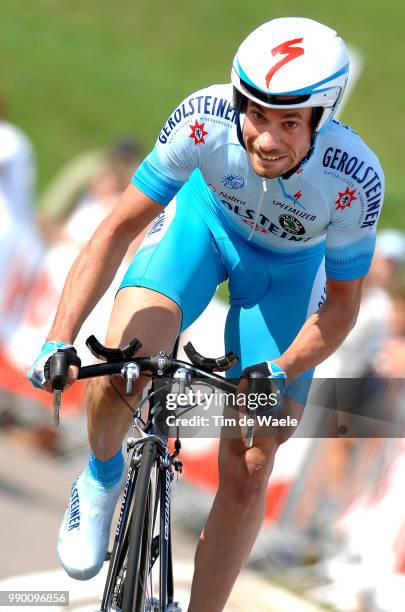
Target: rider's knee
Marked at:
252, 486
104, 388
249, 483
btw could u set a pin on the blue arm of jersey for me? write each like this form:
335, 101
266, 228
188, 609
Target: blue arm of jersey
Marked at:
349, 261
151, 180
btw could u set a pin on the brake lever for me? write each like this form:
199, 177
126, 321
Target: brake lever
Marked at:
255, 382
58, 369
57, 400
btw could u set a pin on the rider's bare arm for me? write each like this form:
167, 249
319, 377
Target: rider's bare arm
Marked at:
326, 329
95, 267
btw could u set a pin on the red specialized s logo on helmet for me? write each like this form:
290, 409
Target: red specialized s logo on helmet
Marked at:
290, 53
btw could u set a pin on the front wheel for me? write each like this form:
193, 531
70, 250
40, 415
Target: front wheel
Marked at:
142, 584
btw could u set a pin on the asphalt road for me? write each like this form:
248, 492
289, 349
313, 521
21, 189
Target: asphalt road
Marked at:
33, 494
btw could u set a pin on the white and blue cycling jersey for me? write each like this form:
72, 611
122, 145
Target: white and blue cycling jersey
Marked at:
275, 240
334, 197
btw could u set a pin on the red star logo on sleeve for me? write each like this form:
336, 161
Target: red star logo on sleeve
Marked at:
345, 198
198, 133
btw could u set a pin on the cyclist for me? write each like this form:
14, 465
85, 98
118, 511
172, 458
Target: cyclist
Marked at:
265, 189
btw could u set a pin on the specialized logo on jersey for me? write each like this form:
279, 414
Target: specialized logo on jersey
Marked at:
294, 231
295, 211
291, 225
198, 133
345, 198
290, 53
298, 195
233, 181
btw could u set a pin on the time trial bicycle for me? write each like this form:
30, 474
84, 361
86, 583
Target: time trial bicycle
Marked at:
140, 574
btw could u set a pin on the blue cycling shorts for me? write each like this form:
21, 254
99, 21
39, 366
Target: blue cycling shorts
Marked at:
188, 252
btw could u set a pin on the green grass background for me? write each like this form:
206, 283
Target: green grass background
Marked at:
76, 74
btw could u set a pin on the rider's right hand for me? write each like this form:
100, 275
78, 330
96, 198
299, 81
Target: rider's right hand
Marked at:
39, 371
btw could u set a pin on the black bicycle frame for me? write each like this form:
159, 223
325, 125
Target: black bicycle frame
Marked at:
165, 564
156, 431
119, 540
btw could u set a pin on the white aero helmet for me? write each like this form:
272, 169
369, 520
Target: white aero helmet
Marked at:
292, 56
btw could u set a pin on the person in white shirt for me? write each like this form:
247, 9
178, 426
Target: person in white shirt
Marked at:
17, 170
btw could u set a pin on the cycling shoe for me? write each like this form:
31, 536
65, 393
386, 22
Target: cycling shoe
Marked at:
85, 530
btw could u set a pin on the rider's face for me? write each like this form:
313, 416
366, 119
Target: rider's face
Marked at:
276, 139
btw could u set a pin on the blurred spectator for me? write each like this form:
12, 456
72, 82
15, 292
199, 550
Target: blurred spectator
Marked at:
31, 284
66, 240
5, 216
361, 406
6, 231
388, 260
17, 226
398, 313
17, 170
94, 175
353, 358
390, 362
103, 192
